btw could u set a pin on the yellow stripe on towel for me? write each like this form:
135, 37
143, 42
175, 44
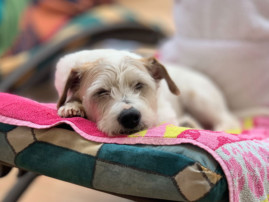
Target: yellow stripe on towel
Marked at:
266, 200
139, 134
248, 123
173, 131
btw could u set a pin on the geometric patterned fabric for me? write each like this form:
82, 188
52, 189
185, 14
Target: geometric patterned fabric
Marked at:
162, 172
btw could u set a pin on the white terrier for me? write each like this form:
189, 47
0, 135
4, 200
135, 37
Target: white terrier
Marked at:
124, 93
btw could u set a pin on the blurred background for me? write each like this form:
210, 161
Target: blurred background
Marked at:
35, 33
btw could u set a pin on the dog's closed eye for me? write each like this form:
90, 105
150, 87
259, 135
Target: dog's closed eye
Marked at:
138, 86
102, 92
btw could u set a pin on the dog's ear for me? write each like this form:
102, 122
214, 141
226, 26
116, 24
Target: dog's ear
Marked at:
158, 72
72, 85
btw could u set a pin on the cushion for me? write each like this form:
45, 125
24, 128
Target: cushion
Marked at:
165, 162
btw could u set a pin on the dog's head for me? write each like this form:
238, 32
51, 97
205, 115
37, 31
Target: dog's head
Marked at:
121, 97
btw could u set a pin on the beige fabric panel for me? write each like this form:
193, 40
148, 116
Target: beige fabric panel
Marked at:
20, 138
194, 183
67, 139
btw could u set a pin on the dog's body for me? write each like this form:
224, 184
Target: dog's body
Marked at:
200, 103
124, 93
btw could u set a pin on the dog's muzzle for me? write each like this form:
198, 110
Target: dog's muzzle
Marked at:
129, 118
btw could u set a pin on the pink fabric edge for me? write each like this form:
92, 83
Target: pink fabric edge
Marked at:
138, 140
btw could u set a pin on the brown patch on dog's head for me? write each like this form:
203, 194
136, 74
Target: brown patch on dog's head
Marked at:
74, 82
158, 72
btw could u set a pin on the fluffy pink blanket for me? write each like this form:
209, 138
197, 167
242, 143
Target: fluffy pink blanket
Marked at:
244, 156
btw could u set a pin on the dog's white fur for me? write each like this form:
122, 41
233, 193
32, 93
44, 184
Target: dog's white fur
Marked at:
109, 82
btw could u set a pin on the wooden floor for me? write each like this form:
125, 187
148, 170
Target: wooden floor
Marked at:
46, 189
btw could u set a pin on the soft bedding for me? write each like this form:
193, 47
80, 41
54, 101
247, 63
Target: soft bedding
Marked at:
165, 162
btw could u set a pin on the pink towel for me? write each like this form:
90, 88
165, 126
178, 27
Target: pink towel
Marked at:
243, 157
21, 111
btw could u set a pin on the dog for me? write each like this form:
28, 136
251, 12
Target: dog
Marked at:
124, 93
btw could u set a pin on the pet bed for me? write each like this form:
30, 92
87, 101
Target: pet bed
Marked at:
165, 162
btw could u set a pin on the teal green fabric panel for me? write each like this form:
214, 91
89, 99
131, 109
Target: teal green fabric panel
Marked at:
193, 152
220, 191
6, 153
161, 162
119, 179
57, 162
6, 128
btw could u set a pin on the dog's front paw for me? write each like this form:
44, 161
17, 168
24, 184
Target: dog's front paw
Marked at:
71, 109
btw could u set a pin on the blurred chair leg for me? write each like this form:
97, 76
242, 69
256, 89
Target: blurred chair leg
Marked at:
23, 182
4, 170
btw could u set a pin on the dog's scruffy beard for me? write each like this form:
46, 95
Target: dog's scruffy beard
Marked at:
107, 113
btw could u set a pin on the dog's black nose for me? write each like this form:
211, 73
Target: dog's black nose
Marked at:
129, 118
